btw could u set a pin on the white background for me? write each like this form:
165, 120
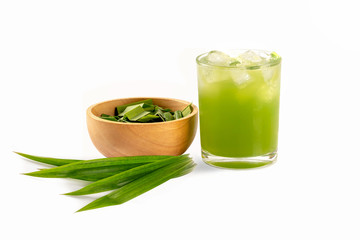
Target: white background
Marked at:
59, 57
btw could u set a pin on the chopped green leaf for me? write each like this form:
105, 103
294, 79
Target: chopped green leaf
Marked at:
129, 108
120, 109
274, 55
187, 110
148, 107
136, 113
160, 113
145, 111
168, 116
148, 118
124, 119
234, 63
108, 117
178, 114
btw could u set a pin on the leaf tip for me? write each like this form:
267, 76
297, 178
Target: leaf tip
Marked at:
35, 174
28, 174
83, 209
74, 193
18, 153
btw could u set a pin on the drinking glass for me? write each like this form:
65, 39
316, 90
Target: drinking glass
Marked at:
239, 95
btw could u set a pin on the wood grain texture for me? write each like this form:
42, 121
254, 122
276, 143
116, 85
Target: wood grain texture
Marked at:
115, 139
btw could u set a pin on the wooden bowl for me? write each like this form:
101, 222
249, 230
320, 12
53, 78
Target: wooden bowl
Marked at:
115, 139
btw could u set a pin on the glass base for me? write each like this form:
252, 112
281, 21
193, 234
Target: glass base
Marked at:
239, 163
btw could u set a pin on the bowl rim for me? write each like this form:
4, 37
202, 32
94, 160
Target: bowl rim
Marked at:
96, 118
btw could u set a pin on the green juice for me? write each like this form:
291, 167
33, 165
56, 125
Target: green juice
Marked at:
239, 111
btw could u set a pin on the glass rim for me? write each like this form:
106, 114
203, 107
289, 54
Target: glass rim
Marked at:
248, 67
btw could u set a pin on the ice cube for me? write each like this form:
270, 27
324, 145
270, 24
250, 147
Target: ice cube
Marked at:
219, 58
254, 57
268, 74
213, 75
240, 77
250, 57
265, 55
268, 93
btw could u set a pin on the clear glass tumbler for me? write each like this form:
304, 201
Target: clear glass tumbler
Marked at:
239, 107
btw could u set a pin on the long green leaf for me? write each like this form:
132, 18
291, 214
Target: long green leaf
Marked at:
139, 186
91, 165
115, 181
48, 160
186, 170
95, 174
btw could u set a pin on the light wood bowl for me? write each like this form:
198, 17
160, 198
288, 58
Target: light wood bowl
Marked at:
116, 139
